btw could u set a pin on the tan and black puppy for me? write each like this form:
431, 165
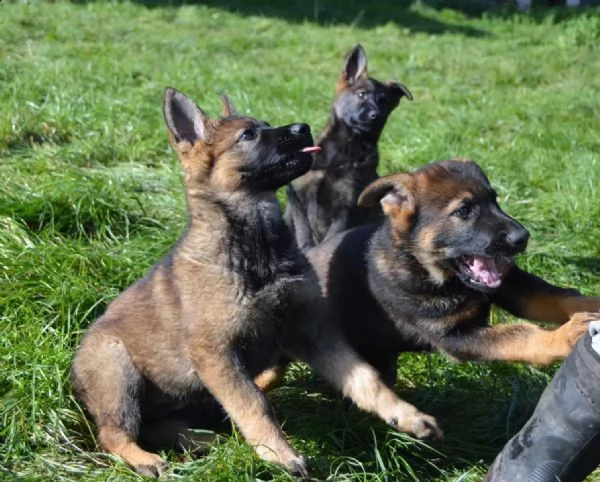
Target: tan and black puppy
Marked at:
322, 203
426, 277
233, 295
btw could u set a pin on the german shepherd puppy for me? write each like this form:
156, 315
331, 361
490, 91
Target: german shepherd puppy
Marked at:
325, 198
233, 295
426, 277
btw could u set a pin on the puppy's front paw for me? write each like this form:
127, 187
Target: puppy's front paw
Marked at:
419, 424
571, 331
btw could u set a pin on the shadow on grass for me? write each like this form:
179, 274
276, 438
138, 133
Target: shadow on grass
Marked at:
91, 218
29, 139
360, 13
372, 13
587, 265
478, 405
472, 410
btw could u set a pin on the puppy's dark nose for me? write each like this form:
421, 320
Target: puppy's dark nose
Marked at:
518, 238
299, 129
373, 114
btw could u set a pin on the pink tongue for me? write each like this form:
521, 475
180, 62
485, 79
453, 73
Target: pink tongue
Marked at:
311, 149
484, 271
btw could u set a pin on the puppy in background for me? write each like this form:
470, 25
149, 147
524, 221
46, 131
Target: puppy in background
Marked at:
322, 203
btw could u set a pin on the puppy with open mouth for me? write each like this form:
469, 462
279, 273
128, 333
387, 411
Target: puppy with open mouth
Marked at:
426, 276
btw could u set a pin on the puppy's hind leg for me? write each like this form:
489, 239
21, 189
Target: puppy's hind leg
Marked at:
110, 386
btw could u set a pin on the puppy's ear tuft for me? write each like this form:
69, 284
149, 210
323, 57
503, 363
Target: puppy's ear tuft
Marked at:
399, 90
372, 194
228, 107
356, 65
184, 119
394, 193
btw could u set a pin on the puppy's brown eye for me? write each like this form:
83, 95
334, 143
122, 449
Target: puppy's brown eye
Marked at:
462, 212
248, 135
361, 94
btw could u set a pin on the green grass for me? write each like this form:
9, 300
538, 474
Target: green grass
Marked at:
91, 196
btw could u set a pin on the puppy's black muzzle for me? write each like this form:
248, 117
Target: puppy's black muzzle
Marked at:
481, 260
369, 117
510, 240
517, 239
293, 137
288, 157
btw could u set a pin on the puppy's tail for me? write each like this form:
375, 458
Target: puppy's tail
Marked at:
296, 218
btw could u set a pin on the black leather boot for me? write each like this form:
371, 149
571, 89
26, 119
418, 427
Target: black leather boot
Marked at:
561, 440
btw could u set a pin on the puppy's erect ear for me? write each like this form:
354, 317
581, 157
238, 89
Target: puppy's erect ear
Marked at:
228, 107
398, 91
185, 120
395, 193
356, 66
